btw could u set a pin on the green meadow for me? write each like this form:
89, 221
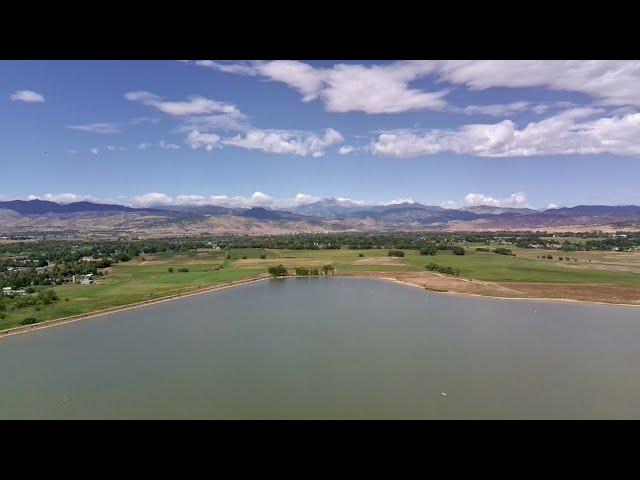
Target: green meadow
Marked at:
148, 277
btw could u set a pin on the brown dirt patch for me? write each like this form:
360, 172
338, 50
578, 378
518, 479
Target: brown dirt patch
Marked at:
377, 261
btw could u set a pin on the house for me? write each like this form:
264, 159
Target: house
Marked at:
6, 291
86, 281
86, 259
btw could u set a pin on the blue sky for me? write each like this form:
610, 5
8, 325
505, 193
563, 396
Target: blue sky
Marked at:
456, 133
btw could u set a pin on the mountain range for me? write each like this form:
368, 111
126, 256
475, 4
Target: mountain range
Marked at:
324, 215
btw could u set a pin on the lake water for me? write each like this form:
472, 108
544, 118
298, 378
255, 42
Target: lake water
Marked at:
330, 348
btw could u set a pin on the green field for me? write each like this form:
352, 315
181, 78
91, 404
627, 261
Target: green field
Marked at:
148, 278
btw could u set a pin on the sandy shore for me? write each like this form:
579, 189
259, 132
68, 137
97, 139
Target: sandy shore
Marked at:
432, 282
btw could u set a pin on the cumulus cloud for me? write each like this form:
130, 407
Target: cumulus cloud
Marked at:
346, 150
515, 200
209, 141
150, 199
347, 88
94, 150
573, 131
100, 127
144, 145
194, 106
287, 142
28, 96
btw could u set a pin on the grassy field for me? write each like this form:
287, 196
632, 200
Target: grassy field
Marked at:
148, 278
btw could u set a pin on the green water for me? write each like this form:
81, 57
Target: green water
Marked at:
330, 348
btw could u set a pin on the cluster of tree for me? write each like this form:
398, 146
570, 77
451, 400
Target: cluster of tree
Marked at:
278, 271
305, 272
395, 253
503, 251
434, 267
432, 248
41, 297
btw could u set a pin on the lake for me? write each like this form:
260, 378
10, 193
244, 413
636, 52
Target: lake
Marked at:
330, 348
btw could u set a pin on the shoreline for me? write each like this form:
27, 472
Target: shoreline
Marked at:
131, 306
85, 316
494, 297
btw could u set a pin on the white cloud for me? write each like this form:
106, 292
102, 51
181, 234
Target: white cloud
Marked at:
168, 146
94, 150
551, 205
287, 142
614, 82
194, 106
72, 151
347, 88
101, 127
144, 145
346, 150
569, 132
113, 148
209, 141
150, 199
227, 122
28, 96
449, 204
496, 110
518, 200
63, 197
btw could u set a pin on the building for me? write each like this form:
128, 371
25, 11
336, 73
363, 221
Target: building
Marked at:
6, 291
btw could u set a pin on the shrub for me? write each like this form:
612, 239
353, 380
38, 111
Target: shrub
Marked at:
328, 268
263, 257
482, 249
302, 271
434, 267
395, 253
361, 254
28, 321
170, 270
430, 249
503, 251
314, 271
278, 271
456, 250
183, 269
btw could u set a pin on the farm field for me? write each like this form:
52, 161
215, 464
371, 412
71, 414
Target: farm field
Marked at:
609, 277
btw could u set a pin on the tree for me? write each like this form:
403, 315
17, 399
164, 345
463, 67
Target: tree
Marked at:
328, 268
170, 269
430, 249
395, 253
278, 271
263, 257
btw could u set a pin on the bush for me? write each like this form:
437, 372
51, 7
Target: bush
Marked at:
278, 271
395, 253
183, 270
263, 257
361, 254
434, 267
170, 270
456, 250
302, 271
328, 268
244, 258
482, 249
28, 321
503, 251
314, 271
429, 249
